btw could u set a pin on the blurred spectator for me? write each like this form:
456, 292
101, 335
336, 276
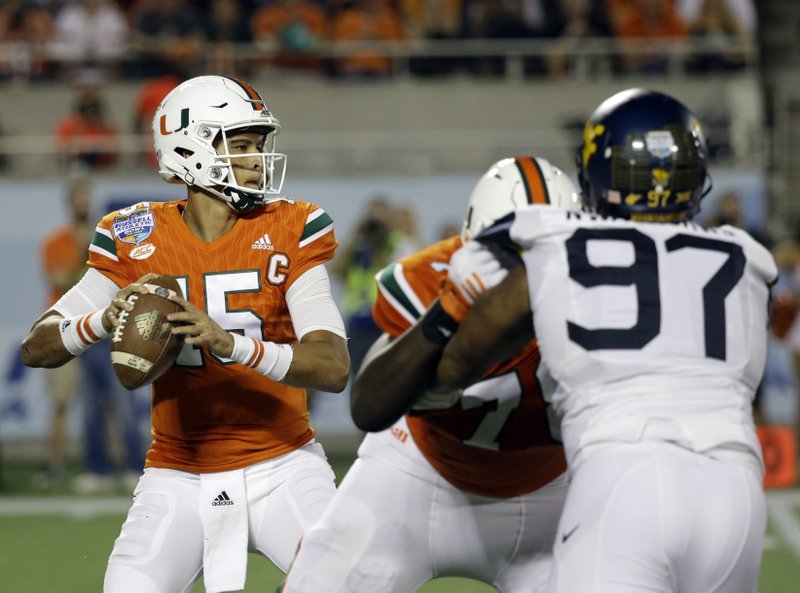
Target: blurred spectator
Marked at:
744, 11
91, 35
63, 262
786, 293
510, 19
366, 20
435, 20
521, 19
86, 135
370, 247
581, 19
64, 258
404, 224
449, 229
717, 24
227, 26
25, 32
646, 19
295, 29
149, 96
778, 399
728, 210
432, 19
4, 160
168, 34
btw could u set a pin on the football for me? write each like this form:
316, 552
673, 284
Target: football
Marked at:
142, 345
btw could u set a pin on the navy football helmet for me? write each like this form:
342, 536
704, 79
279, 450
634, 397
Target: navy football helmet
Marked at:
643, 157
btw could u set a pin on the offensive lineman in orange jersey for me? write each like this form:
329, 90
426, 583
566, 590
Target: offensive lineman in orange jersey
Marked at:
464, 484
233, 465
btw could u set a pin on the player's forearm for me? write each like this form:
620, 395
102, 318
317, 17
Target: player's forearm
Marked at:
43, 346
320, 364
498, 326
393, 376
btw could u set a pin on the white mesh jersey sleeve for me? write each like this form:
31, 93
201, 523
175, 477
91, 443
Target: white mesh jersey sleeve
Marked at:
311, 304
92, 292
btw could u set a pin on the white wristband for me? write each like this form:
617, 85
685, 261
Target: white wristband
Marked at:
268, 358
81, 331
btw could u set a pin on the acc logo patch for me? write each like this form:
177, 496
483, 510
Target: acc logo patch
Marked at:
143, 251
659, 143
133, 226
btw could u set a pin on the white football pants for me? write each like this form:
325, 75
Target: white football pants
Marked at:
160, 546
395, 523
655, 517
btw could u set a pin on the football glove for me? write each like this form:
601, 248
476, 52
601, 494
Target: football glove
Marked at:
473, 269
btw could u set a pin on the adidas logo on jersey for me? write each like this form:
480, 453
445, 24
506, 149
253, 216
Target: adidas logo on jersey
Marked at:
222, 499
263, 243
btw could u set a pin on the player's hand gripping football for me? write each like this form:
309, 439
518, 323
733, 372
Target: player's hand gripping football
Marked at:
200, 329
473, 269
120, 303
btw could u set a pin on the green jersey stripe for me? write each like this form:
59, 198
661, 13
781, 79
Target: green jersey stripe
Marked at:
392, 288
316, 224
104, 242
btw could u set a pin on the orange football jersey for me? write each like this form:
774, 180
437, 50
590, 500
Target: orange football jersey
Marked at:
496, 440
211, 414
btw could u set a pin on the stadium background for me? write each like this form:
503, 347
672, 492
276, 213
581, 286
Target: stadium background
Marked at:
420, 142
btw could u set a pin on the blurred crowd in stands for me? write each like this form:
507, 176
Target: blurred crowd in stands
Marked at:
107, 39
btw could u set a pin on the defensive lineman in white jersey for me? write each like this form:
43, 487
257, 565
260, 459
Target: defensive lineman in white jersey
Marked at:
655, 330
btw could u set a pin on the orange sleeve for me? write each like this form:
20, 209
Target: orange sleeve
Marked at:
407, 287
393, 309
103, 255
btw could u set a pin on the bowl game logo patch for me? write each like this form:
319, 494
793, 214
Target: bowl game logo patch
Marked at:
135, 226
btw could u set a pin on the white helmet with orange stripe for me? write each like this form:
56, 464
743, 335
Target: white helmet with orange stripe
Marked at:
512, 183
191, 131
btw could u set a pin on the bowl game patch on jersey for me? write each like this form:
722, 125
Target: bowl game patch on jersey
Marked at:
134, 224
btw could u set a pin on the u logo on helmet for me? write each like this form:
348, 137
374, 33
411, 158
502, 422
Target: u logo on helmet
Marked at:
184, 122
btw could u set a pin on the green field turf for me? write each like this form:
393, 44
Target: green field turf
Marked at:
67, 552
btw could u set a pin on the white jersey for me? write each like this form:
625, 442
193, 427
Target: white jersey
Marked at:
653, 331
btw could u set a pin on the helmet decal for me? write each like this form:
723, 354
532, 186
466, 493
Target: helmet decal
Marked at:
533, 180
254, 97
184, 123
590, 132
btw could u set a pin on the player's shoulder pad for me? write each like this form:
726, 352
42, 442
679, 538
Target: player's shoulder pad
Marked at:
132, 224
758, 255
313, 220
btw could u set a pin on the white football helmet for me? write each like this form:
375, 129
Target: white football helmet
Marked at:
512, 183
203, 110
